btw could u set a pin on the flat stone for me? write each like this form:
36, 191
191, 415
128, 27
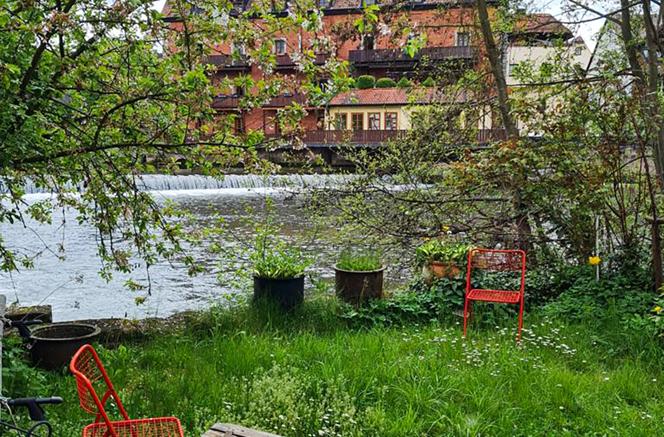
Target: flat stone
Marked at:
231, 430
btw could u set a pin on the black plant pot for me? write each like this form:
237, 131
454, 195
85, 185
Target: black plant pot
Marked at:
54, 345
358, 287
286, 293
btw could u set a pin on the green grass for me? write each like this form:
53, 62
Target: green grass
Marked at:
309, 374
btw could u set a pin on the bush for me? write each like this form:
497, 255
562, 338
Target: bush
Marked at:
617, 297
385, 82
365, 81
429, 82
404, 83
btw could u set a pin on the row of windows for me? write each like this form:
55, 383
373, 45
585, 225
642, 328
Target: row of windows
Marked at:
367, 43
373, 119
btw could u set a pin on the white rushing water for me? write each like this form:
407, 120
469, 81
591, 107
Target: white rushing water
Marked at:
159, 182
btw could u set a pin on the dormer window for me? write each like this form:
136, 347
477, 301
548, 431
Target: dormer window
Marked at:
463, 39
280, 46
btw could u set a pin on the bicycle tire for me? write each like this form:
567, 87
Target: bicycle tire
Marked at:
44, 426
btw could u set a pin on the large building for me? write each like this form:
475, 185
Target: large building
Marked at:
375, 115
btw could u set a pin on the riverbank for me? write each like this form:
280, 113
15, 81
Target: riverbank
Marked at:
315, 372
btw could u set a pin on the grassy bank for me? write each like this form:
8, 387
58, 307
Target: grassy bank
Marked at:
310, 374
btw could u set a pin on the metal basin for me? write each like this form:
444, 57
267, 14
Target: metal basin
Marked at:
54, 345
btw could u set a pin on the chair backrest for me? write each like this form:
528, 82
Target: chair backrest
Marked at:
91, 379
495, 260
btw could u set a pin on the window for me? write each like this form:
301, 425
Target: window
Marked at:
390, 121
368, 42
357, 121
238, 124
324, 3
341, 121
374, 120
463, 39
578, 51
512, 69
280, 46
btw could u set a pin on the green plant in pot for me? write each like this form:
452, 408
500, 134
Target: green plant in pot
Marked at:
441, 258
359, 276
278, 270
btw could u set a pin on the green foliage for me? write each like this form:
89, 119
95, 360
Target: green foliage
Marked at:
614, 296
385, 82
293, 376
359, 261
419, 303
404, 82
275, 258
438, 249
365, 81
429, 82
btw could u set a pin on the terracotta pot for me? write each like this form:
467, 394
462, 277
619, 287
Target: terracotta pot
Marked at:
444, 270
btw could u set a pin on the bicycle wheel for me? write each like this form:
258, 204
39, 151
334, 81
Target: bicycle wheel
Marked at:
40, 429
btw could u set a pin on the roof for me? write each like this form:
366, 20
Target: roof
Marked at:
392, 97
338, 6
545, 24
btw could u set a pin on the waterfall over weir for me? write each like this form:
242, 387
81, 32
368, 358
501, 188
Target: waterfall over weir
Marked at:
198, 182
159, 182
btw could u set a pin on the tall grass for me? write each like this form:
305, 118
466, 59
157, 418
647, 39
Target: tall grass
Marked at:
308, 374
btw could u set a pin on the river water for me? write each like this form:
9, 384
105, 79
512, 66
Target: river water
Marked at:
74, 289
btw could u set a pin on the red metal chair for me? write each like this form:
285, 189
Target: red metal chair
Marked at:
90, 377
492, 260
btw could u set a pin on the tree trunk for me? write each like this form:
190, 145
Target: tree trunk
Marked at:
524, 230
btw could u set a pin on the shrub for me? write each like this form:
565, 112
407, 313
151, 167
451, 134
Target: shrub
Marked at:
275, 258
441, 250
429, 82
404, 83
385, 82
613, 296
359, 262
365, 81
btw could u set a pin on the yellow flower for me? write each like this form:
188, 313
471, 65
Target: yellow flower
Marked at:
445, 228
657, 309
594, 260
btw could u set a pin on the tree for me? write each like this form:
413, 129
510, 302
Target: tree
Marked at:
96, 93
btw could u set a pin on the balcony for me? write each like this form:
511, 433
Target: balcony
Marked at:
226, 102
285, 62
228, 62
377, 137
396, 57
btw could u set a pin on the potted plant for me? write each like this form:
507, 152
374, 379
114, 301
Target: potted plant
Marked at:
278, 270
359, 276
442, 259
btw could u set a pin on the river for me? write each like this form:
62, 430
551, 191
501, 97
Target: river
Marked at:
74, 289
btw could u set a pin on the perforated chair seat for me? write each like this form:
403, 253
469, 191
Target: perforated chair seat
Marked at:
158, 427
498, 296
495, 261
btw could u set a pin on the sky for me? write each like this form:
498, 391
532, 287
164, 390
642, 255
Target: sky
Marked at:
586, 30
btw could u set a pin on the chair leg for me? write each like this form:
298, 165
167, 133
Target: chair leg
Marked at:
467, 308
518, 335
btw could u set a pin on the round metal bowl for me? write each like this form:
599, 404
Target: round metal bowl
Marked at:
54, 345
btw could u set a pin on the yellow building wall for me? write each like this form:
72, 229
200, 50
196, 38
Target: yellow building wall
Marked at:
403, 116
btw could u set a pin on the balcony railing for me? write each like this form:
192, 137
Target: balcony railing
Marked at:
228, 62
352, 136
376, 137
285, 62
391, 56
